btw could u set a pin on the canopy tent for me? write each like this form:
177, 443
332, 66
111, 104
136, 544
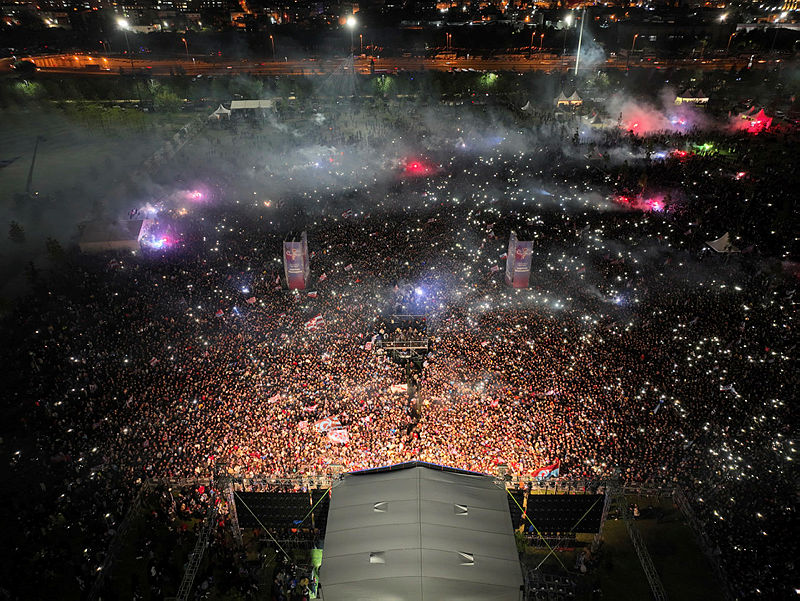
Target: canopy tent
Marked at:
220, 112
575, 100
562, 99
757, 120
691, 96
418, 533
104, 235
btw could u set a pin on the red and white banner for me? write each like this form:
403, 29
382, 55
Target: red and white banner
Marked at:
340, 436
316, 323
398, 388
295, 263
547, 472
327, 423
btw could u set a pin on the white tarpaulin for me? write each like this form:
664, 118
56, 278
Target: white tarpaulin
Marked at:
723, 244
252, 104
417, 534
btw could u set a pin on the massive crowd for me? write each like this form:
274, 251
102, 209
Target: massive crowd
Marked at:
632, 356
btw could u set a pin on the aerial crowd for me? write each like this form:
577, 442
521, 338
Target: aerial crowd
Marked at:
637, 354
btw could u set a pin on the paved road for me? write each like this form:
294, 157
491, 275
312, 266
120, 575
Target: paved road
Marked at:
100, 65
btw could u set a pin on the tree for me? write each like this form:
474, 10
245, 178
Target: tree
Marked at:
54, 249
16, 233
166, 101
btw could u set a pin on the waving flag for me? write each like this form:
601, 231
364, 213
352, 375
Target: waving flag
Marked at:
323, 277
551, 471
397, 388
251, 300
316, 323
340, 436
327, 423
311, 408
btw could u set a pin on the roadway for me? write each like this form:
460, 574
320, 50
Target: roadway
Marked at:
113, 65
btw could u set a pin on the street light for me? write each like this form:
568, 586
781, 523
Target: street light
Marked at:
123, 25
361, 42
633, 44
186, 45
541, 42
730, 37
272, 41
351, 25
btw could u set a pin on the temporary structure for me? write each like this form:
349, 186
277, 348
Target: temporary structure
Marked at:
418, 532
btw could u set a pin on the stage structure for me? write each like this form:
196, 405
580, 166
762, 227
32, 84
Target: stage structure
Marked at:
418, 531
518, 262
295, 261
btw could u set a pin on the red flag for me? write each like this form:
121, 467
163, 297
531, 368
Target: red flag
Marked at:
251, 300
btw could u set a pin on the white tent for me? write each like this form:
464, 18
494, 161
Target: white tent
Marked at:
562, 99
419, 533
527, 107
220, 112
723, 244
691, 96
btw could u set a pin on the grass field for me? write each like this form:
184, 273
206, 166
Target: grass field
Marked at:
81, 146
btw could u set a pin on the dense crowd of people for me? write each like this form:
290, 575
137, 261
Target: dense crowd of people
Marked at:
632, 356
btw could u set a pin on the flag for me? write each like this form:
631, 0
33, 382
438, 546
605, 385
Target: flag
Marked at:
485, 343
551, 471
274, 397
219, 313
348, 267
340, 436
368, 346
347, 213
397, 388
495, 268
302, 425
311, 408
153, 362
729, 388
504, 256
251, 300
323, 277
582, 269
312, 294
494, 403
327, 423
316, 323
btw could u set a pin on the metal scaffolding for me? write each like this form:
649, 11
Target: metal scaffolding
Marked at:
197, 554
659, 594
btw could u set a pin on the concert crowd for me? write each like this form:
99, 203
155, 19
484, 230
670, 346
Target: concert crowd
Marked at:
637, 354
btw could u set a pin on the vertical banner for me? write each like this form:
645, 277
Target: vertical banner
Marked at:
295, 263
518, 262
